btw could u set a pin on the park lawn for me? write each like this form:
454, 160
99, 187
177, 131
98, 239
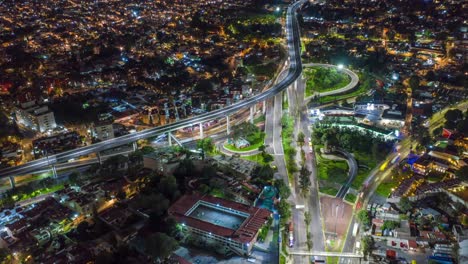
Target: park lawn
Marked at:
316, 83
256, 158
333, 170
385, 188
282, 259
350, 197
39, 192
365, 159
217, 193
257, 141
255, 18
328, 190
287, 141
360, 178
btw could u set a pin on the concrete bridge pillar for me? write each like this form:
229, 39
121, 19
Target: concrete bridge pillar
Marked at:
264, 107
228, 125
98, 155
54, 172
135, 146
12, 182
251, 119
169, 138
201, 130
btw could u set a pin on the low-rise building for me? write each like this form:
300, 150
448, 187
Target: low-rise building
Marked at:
103, 130
36, 117
225, 225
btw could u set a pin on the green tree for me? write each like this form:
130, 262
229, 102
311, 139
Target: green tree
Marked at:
168, 186
414, 82
300, 139
367, 243
264, 173
464, 220
206, 145
462, 173
363, 217
423, 222
405, 204
4, 255
73, 178
304, 180
244, 130
307, 218
309, 241
147, 150
283, 189
160, 246
284, 209
208, 172
262, 149
452, 117
390, 225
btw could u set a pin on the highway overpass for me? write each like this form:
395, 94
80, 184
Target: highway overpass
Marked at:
295, 69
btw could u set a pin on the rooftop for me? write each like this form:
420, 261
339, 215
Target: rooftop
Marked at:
221, 217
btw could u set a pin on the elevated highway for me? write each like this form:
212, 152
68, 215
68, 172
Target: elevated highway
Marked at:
294, 71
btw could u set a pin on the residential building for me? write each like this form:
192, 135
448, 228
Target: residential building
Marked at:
222, 224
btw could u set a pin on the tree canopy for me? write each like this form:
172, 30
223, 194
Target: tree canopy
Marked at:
160, 246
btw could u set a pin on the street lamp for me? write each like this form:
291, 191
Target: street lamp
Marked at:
340, 66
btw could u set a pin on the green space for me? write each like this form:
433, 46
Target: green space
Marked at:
333, 171
254, 144
263, 232
329, 190
282, 259
331, 98
321, 79
255, 18
259, 158
265, 69
249, 132
385, 188
366, 83
26, 196
259, 119
366, 164
287, 137
350, 197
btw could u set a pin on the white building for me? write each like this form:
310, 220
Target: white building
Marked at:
36, 117
104, 131
45, 120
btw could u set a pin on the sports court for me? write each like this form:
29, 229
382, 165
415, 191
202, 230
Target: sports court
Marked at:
218, 216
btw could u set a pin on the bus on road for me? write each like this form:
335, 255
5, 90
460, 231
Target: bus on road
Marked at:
291, 234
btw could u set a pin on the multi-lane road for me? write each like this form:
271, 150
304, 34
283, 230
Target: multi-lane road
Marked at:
294, 71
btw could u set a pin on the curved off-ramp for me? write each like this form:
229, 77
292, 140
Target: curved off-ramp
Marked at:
351, 85
352, 172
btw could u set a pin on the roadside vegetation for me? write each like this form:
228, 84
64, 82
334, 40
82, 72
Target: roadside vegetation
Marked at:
249, 132
287, 137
